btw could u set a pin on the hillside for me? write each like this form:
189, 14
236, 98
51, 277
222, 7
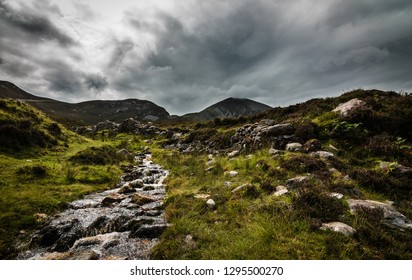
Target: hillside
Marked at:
228, 108
325, 179
89, 112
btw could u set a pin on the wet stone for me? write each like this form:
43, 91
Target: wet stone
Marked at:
123, 223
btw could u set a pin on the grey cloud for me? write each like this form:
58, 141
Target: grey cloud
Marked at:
119, 53
278, 52
62, 78
95, 82
32, 24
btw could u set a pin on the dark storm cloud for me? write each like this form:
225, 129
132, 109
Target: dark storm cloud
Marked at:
34, 26
95, 82
256, 50
190, 54
62, 78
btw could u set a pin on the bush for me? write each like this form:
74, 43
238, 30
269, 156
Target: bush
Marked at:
302, 164
306, 130
98, 155
315, 204
37, 171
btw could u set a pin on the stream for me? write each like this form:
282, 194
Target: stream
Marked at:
122, 223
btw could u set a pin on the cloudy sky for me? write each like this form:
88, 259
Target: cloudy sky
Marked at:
186, 55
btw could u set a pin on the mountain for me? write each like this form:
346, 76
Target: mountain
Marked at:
229, 108
89, 112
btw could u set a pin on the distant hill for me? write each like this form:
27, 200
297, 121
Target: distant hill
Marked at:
229, 108
89, 112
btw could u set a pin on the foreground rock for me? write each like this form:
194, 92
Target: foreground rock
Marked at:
122, 223
392, 217
339, 227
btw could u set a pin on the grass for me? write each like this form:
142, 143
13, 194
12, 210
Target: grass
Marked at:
24, 194
252, 223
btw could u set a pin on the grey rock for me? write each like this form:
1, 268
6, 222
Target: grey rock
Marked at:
392, 217
339, 227
347, 108
294, 147
211, 203
280, 190
322, 154
296, 182
240, 188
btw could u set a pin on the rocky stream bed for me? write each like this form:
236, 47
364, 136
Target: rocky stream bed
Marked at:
122, 223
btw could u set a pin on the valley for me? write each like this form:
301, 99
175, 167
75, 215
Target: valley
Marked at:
325, 179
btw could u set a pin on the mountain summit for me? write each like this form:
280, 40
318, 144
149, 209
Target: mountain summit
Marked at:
229, 108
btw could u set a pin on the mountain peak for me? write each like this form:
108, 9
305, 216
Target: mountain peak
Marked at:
231, 107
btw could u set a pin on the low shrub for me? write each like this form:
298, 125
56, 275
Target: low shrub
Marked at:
313, 203
98, 155
37, 171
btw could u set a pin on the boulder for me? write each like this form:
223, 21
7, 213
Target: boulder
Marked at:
280, 190
112, 199
279, 129
294, 147
339, 227
348, 108
392, 217
127, 188
140, 199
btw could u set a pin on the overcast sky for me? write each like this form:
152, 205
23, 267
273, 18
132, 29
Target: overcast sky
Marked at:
186, 55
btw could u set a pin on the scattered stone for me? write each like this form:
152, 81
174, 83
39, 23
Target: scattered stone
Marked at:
112, 199
232, 173
190, 242
339, 227
239, 188
140, 199
336, 195
149, 231
293, 147
201, 196
392, 217
126, 189
322, 154
312, 145
138, 184
233, 154
296, 182
273, 151
148, 188
280, 190
211, 203
228, 184
350, 107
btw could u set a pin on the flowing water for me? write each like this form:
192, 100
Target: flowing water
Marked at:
123, 223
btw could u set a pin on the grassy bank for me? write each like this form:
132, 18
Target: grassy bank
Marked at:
252, 223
